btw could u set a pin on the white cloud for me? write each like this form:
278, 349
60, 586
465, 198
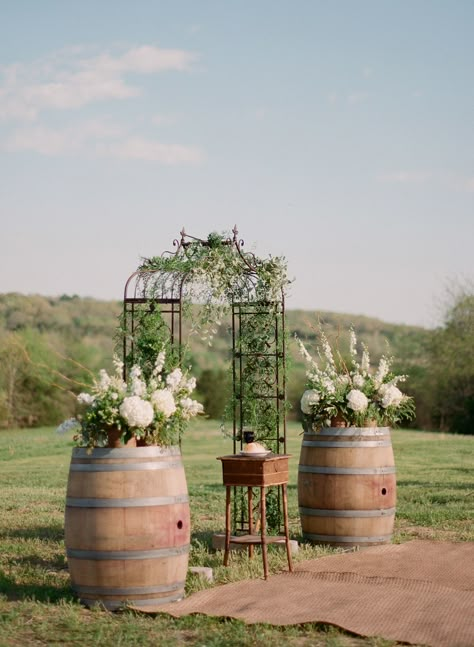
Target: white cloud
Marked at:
161, 120
357, 97
50, 141
469, 185
139, 148
445, 179
68, 80
141, 60
405, 177
99, 138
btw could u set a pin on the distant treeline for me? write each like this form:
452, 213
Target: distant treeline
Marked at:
50, 348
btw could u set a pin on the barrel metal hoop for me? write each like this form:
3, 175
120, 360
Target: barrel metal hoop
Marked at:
345, 539
128, 590
125, 452
124, 467
76, 553
74, 502
348, 443
353, 431
311, 469
112, 605
317, 512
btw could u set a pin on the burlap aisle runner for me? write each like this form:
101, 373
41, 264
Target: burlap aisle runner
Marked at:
420, 592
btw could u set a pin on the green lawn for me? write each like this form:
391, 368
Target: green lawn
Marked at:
435, 500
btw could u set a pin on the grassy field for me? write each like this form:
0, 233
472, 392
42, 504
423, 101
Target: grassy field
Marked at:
37, 607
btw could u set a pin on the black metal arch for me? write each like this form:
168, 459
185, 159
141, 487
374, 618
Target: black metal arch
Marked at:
147, 289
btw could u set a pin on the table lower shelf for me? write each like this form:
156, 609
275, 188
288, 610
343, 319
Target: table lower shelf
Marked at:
256, 540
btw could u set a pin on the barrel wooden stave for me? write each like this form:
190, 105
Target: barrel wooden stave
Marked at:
347, 492
127, 526
347, 486
139, 528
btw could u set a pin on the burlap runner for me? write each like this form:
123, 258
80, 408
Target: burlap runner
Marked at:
421, 592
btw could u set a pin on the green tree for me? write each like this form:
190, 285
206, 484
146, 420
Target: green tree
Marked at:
213, 390
451, 367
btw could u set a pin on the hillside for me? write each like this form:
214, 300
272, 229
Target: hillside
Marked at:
39, 336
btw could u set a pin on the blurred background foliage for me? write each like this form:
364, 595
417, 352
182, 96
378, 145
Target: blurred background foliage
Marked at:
51, 347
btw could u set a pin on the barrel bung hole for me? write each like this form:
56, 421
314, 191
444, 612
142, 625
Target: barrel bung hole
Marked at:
384, 491
179, 524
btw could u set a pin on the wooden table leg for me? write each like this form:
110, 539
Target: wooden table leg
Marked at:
250, 515
285, 521
263, 524
227, 526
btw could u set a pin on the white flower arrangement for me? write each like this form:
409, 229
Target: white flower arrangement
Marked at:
350, 391
154, 410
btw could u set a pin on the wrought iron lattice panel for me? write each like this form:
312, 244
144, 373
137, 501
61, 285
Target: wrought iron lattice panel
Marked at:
257, 338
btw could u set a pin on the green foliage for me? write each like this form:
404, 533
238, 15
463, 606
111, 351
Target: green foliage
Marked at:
213, 389
150, 337
451, 367
84, 329
218, 271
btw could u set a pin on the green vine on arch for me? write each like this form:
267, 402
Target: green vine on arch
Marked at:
217, 274
213, 279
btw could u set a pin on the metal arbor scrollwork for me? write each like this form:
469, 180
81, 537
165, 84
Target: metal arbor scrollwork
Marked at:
257, 329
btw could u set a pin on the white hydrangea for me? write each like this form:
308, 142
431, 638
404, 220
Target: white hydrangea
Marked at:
190, 407
391, 397
136, 412
163, 402
356, 400
173, 380
85, 398
309, 399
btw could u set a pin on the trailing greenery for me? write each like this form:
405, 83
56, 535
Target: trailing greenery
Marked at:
218, 270
220, 276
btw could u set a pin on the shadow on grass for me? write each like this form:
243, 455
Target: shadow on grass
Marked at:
203, 538
430, 485
37, 592
51, 533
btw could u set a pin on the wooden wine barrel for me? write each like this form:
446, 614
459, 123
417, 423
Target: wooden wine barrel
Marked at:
127, 526
347, 486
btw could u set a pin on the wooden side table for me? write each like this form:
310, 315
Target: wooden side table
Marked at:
250, 472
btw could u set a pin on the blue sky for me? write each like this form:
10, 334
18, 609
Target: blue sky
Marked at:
337, 134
